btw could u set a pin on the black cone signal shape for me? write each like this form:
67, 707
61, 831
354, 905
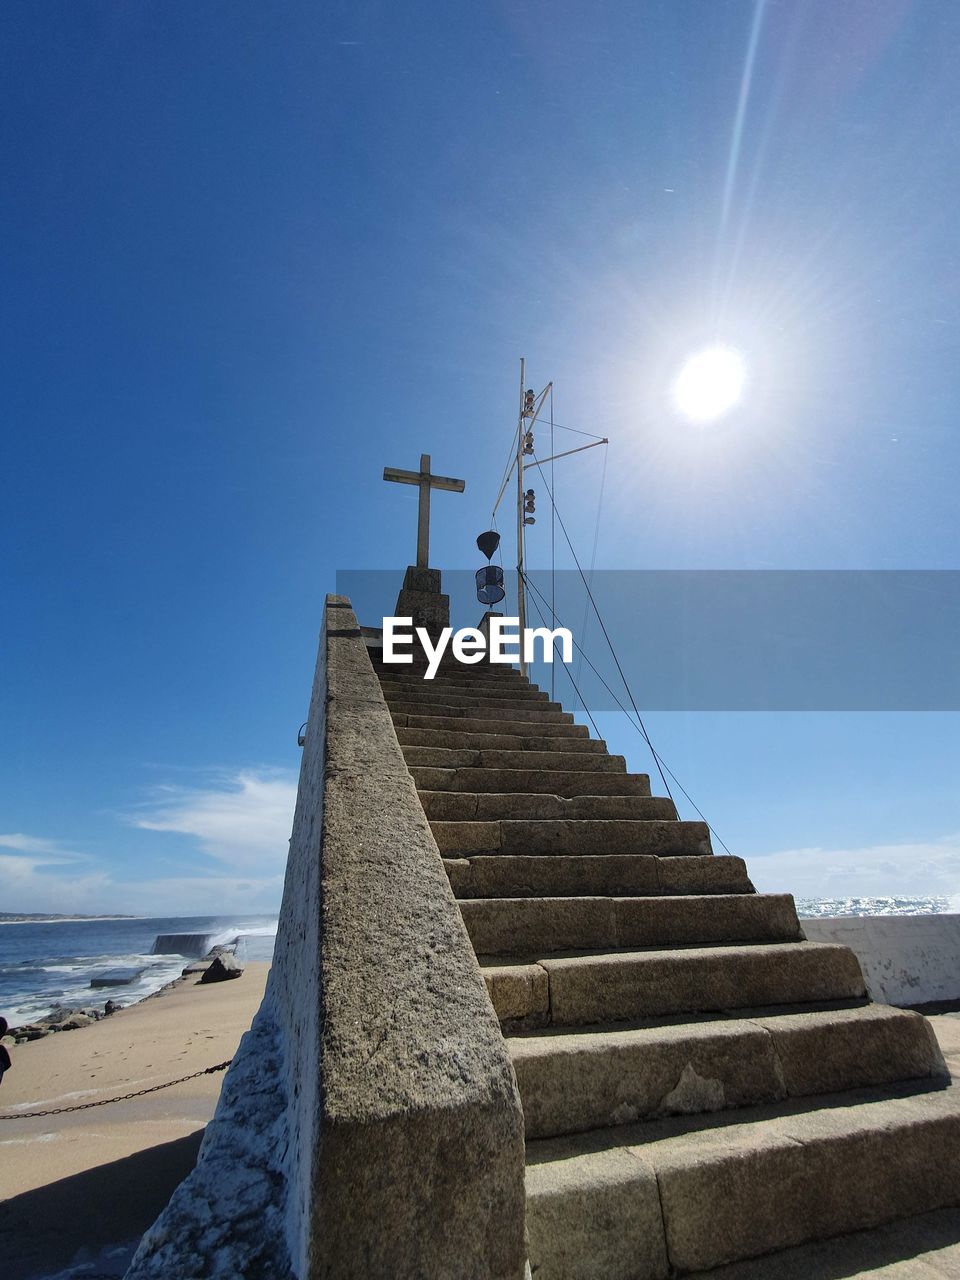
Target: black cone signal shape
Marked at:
488, 543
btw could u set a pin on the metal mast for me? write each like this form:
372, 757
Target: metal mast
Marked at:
530, 406
521, 521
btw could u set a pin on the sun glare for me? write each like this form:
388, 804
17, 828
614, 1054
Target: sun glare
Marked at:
710, 384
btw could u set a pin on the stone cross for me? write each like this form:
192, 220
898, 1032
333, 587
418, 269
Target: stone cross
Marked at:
426, 481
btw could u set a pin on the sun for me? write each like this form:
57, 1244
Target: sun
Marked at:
710, 384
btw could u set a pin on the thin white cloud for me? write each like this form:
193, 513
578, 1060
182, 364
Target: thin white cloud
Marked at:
28, 884
204, 895
32, 882
888, 870
243, 819
36, 844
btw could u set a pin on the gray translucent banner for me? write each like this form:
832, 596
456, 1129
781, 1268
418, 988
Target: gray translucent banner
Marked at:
729, 640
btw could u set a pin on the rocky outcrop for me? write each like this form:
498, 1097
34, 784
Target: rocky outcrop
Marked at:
60, 1018
221, 967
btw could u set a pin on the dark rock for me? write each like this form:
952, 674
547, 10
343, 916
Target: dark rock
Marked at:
78, 1020
223, 967
111, 1007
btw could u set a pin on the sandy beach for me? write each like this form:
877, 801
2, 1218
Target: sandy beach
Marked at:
73, 1187
95, 1179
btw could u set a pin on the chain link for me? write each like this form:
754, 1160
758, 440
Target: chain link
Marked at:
124, 1097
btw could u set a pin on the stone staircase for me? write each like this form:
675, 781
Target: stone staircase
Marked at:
700, 1085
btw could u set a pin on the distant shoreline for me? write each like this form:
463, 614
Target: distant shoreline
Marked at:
68, 919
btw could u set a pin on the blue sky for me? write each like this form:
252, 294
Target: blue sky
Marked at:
254, 253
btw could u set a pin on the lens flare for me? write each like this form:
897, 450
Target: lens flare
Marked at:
710, 384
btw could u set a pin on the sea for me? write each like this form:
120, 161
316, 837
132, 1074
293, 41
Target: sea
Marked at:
48, 964
45, 965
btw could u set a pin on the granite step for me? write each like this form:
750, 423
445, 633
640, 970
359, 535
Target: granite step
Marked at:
427, 696
578, 1081
559, 781
688, 1194
627, 985
590, 836
458, 737
606, 875
537, 714
462, 694
449, 665
466, 806
540, 926
496, 758
925, 1246
471, 724
469, 677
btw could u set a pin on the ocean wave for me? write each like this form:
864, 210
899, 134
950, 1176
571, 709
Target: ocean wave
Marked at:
33, 984
812, 908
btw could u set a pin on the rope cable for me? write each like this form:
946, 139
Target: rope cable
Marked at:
577, 431
638, 724
553, 548
568, 673
593, 557
606, 636
636, 719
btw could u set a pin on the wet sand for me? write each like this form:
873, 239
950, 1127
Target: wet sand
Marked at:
96, 1178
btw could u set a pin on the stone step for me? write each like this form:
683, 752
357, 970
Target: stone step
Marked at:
495, 758
466, 806
627, 985
427, 696
447, 679
519, 690
574, 1082
537, 714
449, 665
925, 1246
539, 926
561, 781
457, 737
471, 724
599, 836
609, 875
687, 1194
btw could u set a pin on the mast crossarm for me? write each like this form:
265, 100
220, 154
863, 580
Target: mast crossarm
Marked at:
566, 454
526, 424
503, 487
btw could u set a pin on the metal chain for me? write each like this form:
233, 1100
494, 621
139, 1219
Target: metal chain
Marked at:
124, 1097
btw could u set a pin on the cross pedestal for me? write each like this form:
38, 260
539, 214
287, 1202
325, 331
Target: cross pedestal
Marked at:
420, 597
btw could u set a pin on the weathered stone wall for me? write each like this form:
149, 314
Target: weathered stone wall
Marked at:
906, 960
419, 1158
393, 1145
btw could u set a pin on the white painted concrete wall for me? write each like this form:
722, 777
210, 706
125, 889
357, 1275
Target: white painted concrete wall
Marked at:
906, 960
